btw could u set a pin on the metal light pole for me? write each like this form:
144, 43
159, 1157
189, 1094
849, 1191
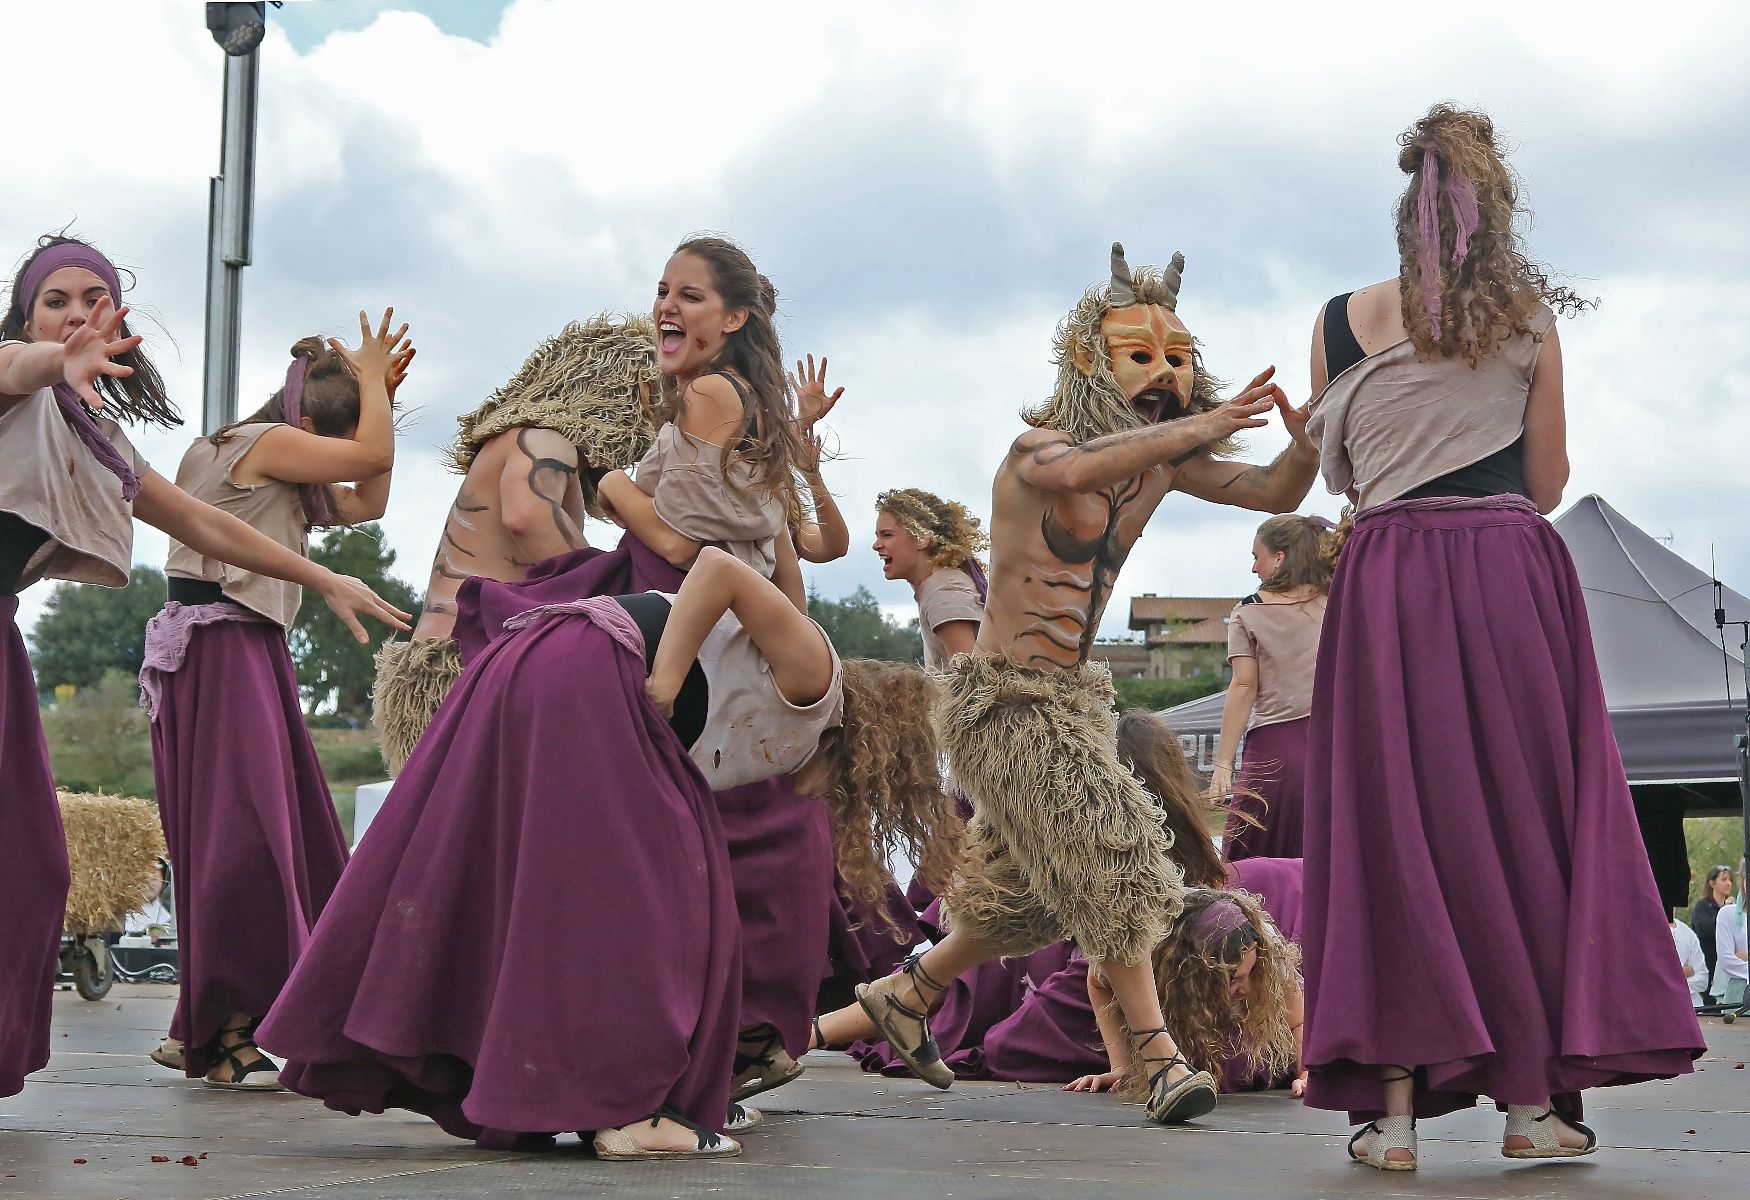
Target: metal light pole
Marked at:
238, 28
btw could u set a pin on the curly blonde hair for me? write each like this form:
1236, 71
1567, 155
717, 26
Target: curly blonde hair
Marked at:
1464, 280
952, 534
1211, 1026
885, 784
1087, 405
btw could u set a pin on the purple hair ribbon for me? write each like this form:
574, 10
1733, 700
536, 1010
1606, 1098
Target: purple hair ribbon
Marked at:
979, 581
1461, 197
317, 498
69, 401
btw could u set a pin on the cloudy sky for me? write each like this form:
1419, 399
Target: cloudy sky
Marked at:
930, 186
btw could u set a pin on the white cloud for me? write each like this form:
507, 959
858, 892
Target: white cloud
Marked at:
930, 186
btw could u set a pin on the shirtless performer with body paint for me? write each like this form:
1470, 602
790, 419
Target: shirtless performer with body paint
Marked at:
1064, 841
583, 398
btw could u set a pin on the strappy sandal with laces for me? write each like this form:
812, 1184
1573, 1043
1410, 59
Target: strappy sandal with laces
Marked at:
819, 1042
1542, 1128
168, 1054
617, 1145
769, 1066
241, 1071
906, 1029
1386, 1134
1174, 1103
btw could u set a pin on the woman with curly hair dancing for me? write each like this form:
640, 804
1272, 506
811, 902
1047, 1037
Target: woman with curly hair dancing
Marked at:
1461, 769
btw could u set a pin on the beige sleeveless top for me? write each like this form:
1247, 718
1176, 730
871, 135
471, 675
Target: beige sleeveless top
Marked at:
270, 508
1391, 423
947, 595
751, 732
52, 481
685, 480
1284, 638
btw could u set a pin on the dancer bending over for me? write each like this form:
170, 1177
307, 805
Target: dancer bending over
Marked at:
72, 486
1461, 770
253, 838
1272, 645
530, 796
1064, 841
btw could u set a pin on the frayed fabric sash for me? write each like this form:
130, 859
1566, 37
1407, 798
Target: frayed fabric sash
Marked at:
167, 637
1504, 503
604, 611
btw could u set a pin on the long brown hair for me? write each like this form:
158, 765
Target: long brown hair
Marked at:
330, 399
769, 443
1192, 977
1464, 279
884, 787
1153, 754
138, 397
1302, 542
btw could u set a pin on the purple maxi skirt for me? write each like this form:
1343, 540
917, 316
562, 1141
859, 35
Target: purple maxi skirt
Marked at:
780, 841
1270, 781
33, 861
1478, 903
255, 846
538, 934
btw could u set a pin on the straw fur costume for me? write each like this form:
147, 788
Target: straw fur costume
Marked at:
412, 680
591, 383
1064, 840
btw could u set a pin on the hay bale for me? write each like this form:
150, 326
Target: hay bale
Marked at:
113, 847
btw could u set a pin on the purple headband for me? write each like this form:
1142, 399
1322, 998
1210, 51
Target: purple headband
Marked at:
67, 254
70, 402
317, 498
1461, 196
1218, 919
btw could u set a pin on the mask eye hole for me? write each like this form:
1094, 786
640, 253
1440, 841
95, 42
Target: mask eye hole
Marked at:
1173, 360
1141, 357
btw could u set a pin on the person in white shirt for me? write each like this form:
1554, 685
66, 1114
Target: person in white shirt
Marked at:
1694, 962
1731, 954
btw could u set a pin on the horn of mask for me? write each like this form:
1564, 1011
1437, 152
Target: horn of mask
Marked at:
1122, 294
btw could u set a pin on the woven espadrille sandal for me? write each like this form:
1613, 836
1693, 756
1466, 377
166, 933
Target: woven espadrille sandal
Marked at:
168, 1054
262, 1075
768, 1067
1372, 1141
1543, 1129
617, 1145
742, 1118
906, 1029
1175, 1103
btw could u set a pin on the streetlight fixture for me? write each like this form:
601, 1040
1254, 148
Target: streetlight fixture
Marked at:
238, 28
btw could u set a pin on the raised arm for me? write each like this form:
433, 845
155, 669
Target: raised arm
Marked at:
1048, 460
1277, 487
540, 473
826, 538
87, 356
216, 534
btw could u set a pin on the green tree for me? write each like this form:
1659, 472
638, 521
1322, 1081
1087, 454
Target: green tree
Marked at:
98, 740
85, 632
859, 629
1156, 694
332, 667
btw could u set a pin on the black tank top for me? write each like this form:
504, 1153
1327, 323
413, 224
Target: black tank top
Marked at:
1499, 474
19, 539
649, 611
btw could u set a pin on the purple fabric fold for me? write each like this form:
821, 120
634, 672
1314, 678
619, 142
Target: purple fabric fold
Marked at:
167, 638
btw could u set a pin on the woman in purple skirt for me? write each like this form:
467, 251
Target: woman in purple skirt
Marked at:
1480, 915
1272, 644
254, 841
570, 777
71, 489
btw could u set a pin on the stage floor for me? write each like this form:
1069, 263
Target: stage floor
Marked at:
89, 1126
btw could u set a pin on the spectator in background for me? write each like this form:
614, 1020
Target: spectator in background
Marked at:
1693, 961
156, 916
1715, 893
1729, 948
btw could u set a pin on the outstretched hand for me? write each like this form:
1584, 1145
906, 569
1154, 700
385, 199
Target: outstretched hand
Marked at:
1294, 421
397, 370
349, 597
812, 400
89, 354
1246, 410
376, 351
